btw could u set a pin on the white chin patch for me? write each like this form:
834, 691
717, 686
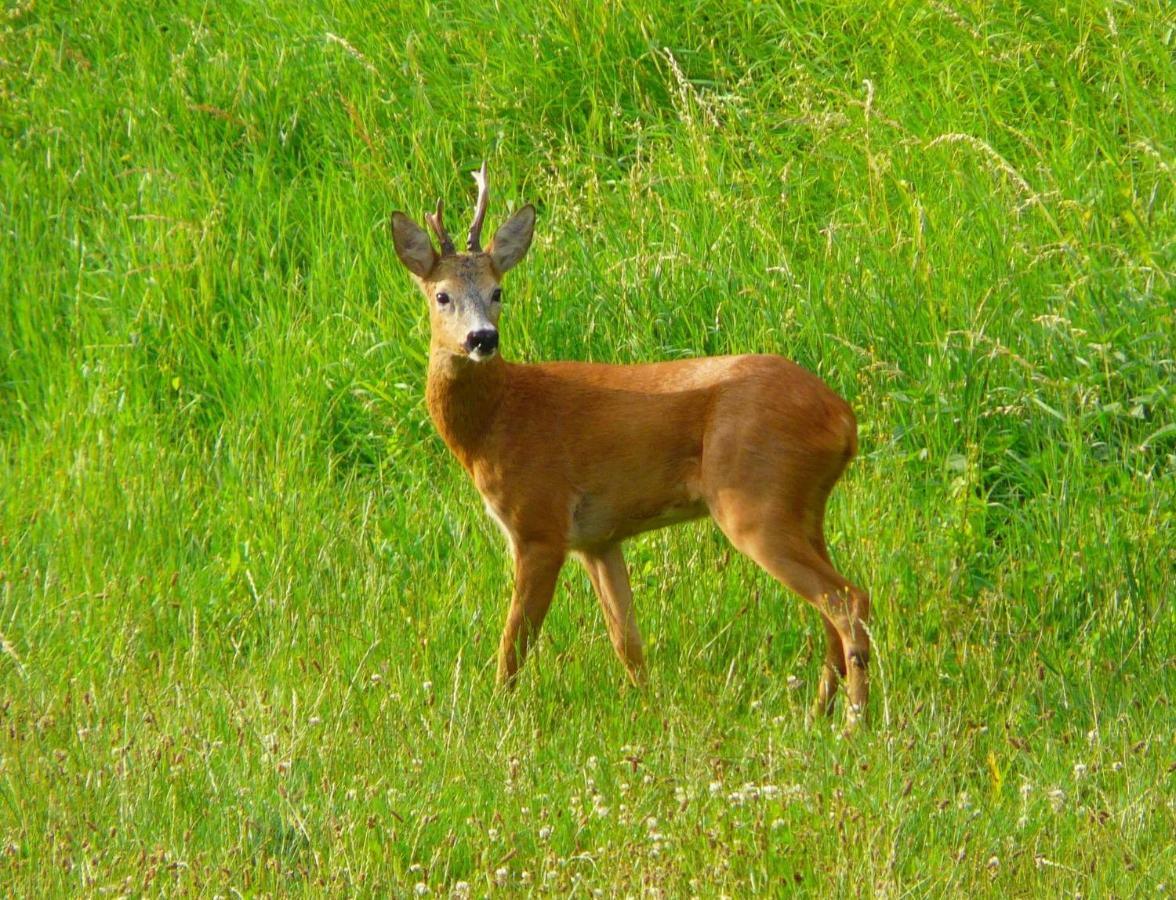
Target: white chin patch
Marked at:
477, 355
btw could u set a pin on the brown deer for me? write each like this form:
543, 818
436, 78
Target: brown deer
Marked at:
574, 457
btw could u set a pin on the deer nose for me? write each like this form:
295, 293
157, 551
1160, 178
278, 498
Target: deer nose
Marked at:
484, 341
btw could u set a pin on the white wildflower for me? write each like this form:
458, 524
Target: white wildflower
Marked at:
745, 794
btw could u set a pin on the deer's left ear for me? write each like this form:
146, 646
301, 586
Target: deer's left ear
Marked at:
512, 239
412, 245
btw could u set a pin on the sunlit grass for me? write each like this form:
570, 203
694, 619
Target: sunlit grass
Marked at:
249, 604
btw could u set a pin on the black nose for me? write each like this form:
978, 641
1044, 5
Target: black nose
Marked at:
484, 341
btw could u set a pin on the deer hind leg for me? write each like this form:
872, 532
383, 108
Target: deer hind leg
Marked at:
834, 669
792, 556
536, 570
610, 579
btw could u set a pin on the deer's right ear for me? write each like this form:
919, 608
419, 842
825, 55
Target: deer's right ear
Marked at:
413, 246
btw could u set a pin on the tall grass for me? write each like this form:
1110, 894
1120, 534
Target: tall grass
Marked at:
248, 603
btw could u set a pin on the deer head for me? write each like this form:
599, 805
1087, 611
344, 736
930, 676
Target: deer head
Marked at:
464, 290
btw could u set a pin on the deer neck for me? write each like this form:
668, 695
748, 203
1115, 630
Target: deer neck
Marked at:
463, 399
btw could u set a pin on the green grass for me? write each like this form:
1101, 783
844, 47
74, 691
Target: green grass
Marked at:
249, 604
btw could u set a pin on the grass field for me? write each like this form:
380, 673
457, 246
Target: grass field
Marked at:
249, 604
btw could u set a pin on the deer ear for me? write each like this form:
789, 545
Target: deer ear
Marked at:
512, 239
413, 246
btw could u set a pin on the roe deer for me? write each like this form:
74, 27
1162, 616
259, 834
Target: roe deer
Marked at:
576, 457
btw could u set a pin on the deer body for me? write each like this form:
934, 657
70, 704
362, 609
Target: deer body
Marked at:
576, 457
586, 455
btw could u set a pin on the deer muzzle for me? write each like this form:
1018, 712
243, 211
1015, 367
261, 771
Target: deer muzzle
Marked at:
482, 343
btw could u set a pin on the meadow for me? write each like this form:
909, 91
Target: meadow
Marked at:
249, 604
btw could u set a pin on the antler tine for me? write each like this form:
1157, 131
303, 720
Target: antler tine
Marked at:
474, 244
435, 222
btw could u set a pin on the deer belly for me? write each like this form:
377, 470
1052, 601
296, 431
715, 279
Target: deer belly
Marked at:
601, 520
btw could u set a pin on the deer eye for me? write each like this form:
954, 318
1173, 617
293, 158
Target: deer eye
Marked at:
496, 295
442, 298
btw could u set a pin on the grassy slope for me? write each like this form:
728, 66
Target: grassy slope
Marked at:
249, 604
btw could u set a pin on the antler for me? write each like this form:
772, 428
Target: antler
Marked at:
438, 226
474, 244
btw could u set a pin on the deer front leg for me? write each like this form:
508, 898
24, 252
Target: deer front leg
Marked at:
610, 579
536, 569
